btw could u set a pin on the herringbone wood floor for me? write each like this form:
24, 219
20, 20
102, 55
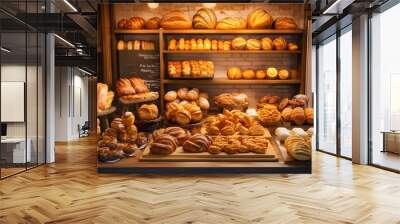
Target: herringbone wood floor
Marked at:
70, 191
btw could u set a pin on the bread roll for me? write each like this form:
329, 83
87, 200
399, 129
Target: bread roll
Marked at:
259, 19
234, 73
272, 73
128, 119
248, 74
195, 112
122, 24
204, 18
153, 23
260, 74
231, 23
197, 143
207, 44
129, 45
293, 46
181, 44
124, 87
121, 45
172, 45
268, 116
148, 112
187, 45
214, 45
282, 133
200, 44
286, 114
136, 45
139, 85
298, 115
256, 130
135, 23
253, 44
170, 96
239, 43
284, 23
267, 43
283, 74
164, 144
182, 116
182, 93
280, 43
203, 95
175, 20
309, 113
300, 132
298, 148
204, 104
226, 45
192, 95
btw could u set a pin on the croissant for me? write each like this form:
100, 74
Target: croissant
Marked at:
298, 115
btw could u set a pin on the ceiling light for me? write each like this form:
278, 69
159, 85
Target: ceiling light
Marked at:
152, 5
209, 5
5, 50
65, 41
70, 5
84, 71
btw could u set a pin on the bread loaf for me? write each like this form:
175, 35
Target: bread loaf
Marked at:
298, 148
195, 112
135, 23
203, 103
267, 44
102, 90
280, 43
121, 45
148, 112
284, 23
204, 18
128, 119
283, 74
124, 87
164, 144
170, 96
182, 92
293, 46
272, 73
268, 116
122, 24
309, 113
253, 44
231, 23
259, 19
282, 133
260, 74
178, 133
175, 20
138, 84
234, 73
238, 43
298, 115
182, 116
197, 143
153, 23
248, 74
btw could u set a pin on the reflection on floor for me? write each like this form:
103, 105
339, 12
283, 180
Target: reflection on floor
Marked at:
387, 159
9, 170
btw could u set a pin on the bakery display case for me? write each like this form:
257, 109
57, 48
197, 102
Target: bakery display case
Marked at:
188, 88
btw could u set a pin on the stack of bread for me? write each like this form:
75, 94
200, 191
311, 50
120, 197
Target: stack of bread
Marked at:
235, 73
232, 100
119, 140
136, 45
104, 97
136, 23
191, 69
186, 106
272, 109
133, 88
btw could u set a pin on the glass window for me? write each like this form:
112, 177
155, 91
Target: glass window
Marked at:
385, 89
346, 94
326, 103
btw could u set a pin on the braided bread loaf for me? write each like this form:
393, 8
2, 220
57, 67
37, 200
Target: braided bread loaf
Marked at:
197, 143
298, 147
164, 144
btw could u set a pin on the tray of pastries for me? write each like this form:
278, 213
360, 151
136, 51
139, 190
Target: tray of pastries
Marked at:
191, 69
134, 90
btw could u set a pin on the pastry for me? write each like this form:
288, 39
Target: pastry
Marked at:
186, 46
153, 23
293, 46
102, 90
122, 24
195, 112
121, 45
242, 129
129, 45
192, 95
297, 103
174, 69
234, 73
182, 116
248, 74
272, 73
284, 23
238, 43
231, 23
136, 45
193, 44
309, 113
214, 45
135, 23
181, 44
298, 148
139, 85
259, 19
117, 124
213, 149
197, 143
204, 18
260, 74
228, 130
178, 133
200, 45
287, 113
207, 44
203, 103
182, 93
175, 20
124, 87
128, 119
270, 99
301, 97
282, 133
269, 116
110, 132
170, 96
226, 45
298, 115
211, 129
300, 132
186, 70
220, 45
256, 130
280, 43
147, 45
148, 112
310, 131
164, 144
283, 74
253, 44
131, 132
283, 104
266, 43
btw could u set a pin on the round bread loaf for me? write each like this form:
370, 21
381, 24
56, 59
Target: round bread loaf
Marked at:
231, 23
192, 95
182, 93
260, 74
203, 103
128, 119
148, 112
248, 74
286, 114
259, 19
135, 23
175, 20
272, 73
121, 45
197, 143
153, 23
298, 115
267, 44
283, 74
280, 43
309, 113
253, 44
285, 23
238, 43
122, 24
204, 18
195, 112
234, 73
170, 96
182, 116
164, 144
293, 46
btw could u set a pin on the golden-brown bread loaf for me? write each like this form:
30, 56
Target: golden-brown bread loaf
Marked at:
129, 45
228, 129
269, 116
231, 23
170, 96
214, 45
287, 114
181, 44
204, 18
283, 74
298, 148
128, 119
283, 104
175, 20
256, 129
280, 43
272, 73
136, 45
226, 45
174, 69
298, 115
211, 129
132, 133
121, 45
178, 133
195, 112
213, 149
164, 144
253, 44
234, 73
260, 74
297, 103
182, 92
117, 124
148, 112
269, 99
266, 43
242, 129
238, 43
192, 95
102, 90
153, 23
122, 24
309, 113
138, 84
248, 74
293, 46
203, 103
124, 87
220, 45
259, 19
285, 23
200, 45
182, 116
207, 44
197, 143
135, 23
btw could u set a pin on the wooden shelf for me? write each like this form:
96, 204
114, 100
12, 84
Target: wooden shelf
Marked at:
232, 82
232, 52
245, 31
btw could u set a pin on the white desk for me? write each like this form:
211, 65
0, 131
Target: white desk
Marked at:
17, 145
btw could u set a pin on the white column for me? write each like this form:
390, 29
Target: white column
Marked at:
50, 98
